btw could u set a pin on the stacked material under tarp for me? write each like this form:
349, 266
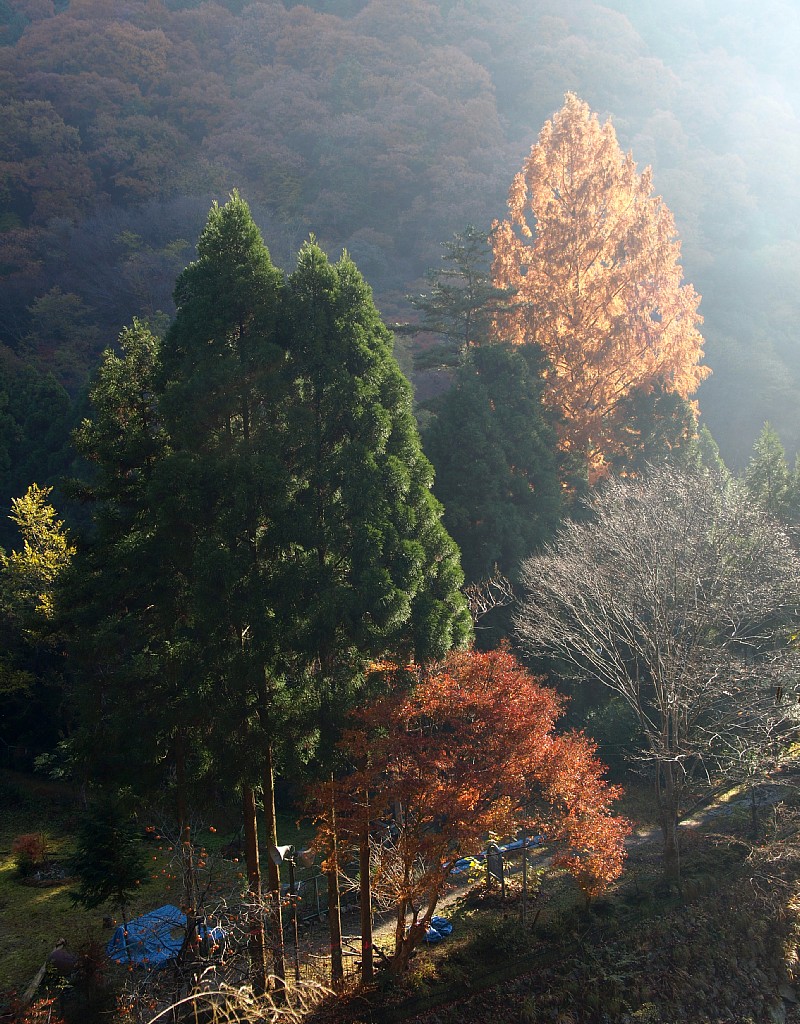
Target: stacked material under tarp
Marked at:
150, 940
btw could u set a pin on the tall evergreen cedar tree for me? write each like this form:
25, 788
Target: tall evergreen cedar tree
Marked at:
497, 470
220, 385
594, 260
220, 396
370, 567
131, 622
262, 500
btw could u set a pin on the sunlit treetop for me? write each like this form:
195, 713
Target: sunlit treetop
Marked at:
595, 261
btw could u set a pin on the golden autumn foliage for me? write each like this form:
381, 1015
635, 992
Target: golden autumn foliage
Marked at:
595, 261
29, 576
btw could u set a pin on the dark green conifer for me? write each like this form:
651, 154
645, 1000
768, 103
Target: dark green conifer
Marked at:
655, 426
461, 301
369, 569
767, 478
109, 859
497, 468
223, 479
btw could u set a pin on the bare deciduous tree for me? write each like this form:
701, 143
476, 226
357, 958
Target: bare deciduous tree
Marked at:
485, 595
679, 594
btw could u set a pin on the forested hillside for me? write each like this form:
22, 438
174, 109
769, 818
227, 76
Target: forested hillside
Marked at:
250, 572
383, 129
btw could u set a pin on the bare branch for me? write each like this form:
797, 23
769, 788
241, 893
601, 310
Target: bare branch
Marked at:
681, 595
484, 596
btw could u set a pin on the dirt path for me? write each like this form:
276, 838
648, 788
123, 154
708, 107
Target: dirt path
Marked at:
315, 940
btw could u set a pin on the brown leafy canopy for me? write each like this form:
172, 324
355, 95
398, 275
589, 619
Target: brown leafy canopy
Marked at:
594, 259
470, 749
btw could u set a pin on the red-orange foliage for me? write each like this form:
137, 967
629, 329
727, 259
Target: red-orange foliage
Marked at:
30, 851
40, 1011
594, 258
470, 749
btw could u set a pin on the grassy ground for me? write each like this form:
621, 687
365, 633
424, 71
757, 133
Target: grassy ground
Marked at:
722, 949
33, 919
715, 954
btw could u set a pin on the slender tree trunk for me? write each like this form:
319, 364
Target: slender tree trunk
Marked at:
400, 921
400, 926
273, 875
256, 938
365, 887
187, 852
334, 907
754, 829
335, 927
668, 809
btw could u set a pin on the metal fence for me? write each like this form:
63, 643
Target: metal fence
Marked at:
308, 958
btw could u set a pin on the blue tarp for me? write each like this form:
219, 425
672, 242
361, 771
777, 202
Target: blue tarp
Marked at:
154, 938
518, 844
438, 929
465, 863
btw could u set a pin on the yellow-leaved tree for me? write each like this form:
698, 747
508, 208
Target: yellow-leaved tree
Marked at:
30, 575
594, 259
31, 636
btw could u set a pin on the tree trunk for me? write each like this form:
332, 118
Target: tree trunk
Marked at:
406, 941
409, 943
273, 876
668, 810
334, 907
256, 938
399, 927
365, 889
187, 853
402, 911
335, 927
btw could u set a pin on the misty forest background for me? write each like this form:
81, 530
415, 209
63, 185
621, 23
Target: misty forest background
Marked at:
391, 131
382, 128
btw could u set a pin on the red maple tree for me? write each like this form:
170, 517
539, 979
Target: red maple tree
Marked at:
470, 749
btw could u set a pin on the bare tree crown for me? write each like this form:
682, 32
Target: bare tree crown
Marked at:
680, 594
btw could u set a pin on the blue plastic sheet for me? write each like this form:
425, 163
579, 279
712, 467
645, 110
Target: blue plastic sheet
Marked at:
155, 938
438, 929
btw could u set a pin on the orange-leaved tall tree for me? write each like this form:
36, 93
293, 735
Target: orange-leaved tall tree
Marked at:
470, 748
594, 259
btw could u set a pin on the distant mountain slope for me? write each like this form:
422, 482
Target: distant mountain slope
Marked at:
383, 128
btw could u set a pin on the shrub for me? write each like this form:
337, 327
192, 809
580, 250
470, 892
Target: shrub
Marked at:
30, 852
